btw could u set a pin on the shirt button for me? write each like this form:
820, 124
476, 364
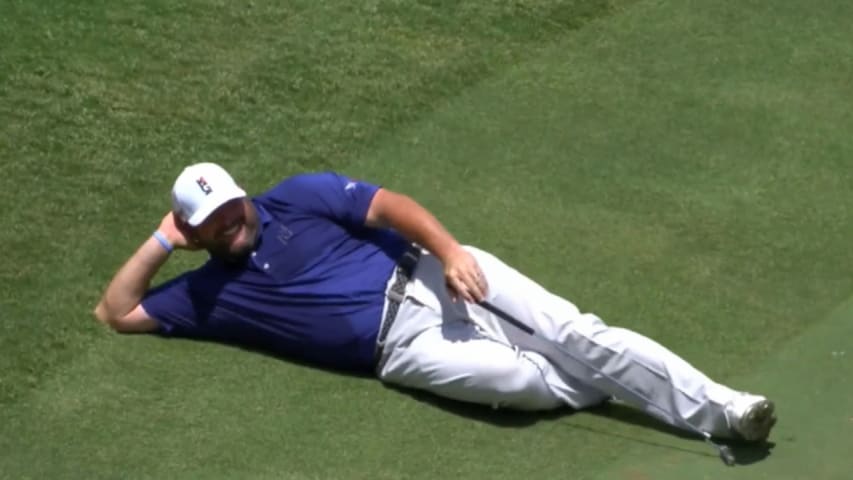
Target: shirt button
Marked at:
254, 254
266, 266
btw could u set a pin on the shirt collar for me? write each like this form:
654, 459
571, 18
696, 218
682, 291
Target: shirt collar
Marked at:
263, 214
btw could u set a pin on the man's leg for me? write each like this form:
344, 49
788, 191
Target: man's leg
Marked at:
453, 361
433, 346
637, 362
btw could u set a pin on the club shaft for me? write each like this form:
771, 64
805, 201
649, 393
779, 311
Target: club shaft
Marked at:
565, 351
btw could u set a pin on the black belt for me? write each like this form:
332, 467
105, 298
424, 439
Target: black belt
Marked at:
405, 268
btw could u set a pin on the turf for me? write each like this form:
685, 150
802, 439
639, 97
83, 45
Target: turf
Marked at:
678, 167
103, 103
812, 443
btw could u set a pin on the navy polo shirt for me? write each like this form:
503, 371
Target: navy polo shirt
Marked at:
312, 289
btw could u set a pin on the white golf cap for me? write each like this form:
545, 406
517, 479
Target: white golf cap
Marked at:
200, 189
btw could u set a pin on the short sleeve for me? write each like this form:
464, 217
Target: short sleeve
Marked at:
173, 305
332, 195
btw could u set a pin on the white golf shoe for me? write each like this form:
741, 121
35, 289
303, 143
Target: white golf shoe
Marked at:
751, 417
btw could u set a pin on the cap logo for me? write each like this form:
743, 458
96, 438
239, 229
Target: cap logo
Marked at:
204, 186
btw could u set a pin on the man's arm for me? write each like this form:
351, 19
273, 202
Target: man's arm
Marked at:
120, 305
416, 224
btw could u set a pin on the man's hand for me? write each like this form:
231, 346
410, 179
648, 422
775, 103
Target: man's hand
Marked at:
464, 277
177, 232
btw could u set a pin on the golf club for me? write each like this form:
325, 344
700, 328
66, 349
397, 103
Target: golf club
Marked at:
725, 453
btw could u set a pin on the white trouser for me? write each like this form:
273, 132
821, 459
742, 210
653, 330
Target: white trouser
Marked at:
464, 352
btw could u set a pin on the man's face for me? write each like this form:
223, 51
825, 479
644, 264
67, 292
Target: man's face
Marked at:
230, 231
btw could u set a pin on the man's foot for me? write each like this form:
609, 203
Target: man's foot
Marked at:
752, 417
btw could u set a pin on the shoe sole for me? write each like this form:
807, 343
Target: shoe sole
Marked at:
757, 421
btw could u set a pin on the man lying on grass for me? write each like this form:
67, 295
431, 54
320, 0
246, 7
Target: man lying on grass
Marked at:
345, 274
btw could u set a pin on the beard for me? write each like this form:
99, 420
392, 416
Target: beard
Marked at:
232, 253
229, 255
234, 248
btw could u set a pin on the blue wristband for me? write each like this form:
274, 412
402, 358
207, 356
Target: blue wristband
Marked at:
163, 241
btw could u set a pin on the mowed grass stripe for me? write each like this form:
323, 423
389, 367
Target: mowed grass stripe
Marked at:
539, 166
102, 104
810, 379
688, 168
118, 403
665, 199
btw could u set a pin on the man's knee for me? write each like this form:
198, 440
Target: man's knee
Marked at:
515, 377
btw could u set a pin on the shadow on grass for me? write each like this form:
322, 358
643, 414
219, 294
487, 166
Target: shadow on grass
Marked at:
745, 453
482, 413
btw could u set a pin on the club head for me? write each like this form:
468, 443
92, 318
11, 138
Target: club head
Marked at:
727, 456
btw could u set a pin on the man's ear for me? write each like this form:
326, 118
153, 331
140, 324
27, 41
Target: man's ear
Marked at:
182, 224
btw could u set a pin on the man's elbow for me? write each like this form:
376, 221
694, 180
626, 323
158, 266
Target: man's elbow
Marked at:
136, 321
102, 314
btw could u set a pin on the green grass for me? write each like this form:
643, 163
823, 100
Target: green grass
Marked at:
811, 375
103, 103
680, 168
